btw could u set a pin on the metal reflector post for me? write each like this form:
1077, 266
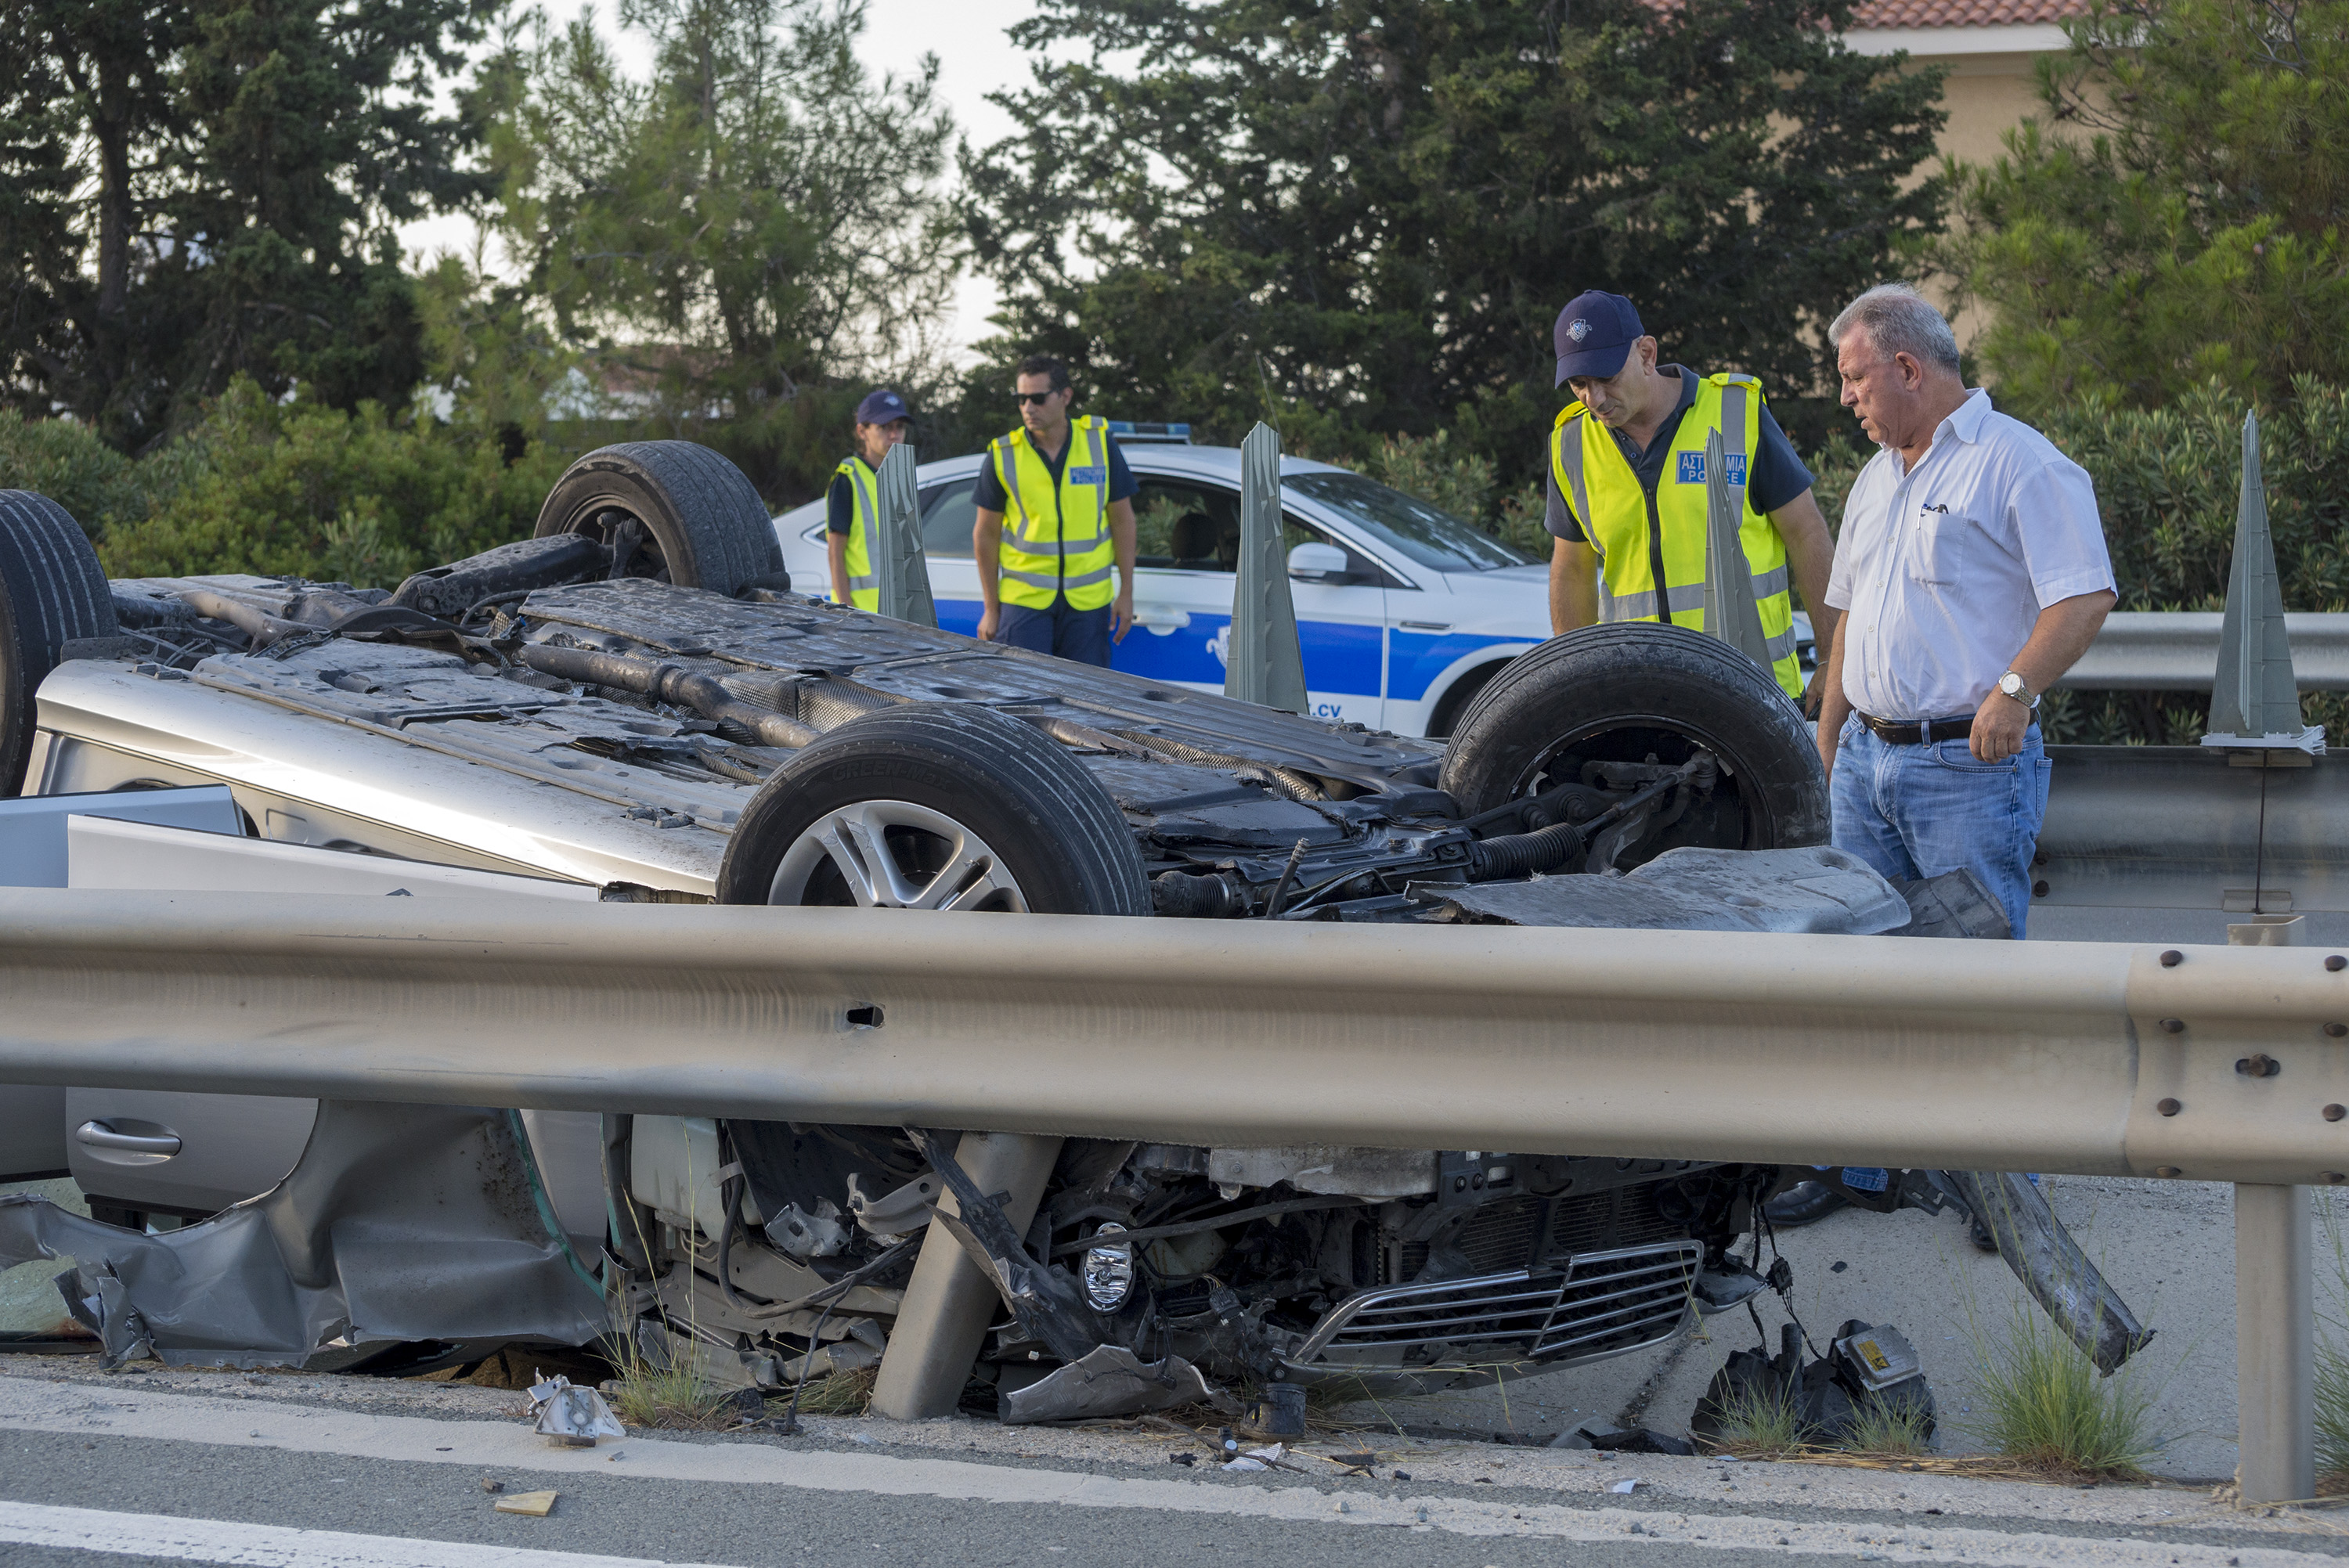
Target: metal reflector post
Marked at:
899, 569
1263, 663
2275, 1345
943, 1320
2255, 698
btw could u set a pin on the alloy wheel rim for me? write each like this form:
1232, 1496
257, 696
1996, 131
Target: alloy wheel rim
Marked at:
895, 854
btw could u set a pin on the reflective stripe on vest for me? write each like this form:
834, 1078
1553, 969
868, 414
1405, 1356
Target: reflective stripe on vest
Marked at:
1056, 538
863, 587
1636, 533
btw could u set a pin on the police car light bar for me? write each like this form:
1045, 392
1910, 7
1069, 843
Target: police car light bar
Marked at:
1128, 431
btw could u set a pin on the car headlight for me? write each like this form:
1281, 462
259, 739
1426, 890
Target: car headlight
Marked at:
1109, 1269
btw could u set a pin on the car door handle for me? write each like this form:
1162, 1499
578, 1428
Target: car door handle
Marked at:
97, 1135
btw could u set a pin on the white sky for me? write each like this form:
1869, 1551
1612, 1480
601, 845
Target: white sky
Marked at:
975, 58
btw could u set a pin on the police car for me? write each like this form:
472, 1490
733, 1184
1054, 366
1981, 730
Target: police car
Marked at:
1402, 611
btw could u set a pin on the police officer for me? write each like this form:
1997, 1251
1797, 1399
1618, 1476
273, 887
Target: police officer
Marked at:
1628, 492
852, 515
1055, 505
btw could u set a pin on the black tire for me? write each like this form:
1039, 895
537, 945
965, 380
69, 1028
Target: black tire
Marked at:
52, 591
700, 522
1622, 693
1053, 832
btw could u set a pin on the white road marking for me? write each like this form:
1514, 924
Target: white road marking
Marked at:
266, 1545
26, 1405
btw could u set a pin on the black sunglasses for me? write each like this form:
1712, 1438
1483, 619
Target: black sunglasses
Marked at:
1024, 397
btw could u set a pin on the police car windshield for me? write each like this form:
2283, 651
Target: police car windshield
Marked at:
1430, 536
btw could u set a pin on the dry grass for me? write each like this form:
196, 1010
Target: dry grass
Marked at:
1758, 1422
846, 1393
1889, 1431
2042, 1405
678, 1397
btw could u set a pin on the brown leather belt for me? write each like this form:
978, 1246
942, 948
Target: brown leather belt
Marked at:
1917, 731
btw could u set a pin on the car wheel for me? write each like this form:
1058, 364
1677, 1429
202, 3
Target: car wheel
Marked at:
52, 591
674, 511
1638, 692
947, 806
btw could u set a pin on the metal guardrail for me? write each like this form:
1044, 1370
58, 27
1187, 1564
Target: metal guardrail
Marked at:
2210, 1063
1702, 1045
2145, 650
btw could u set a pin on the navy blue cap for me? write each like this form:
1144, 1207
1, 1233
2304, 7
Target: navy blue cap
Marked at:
882, 407
1594, 335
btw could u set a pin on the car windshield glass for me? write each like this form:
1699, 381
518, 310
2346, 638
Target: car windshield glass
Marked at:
1428, 535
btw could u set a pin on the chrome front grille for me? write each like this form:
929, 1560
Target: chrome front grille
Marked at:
1602, 1305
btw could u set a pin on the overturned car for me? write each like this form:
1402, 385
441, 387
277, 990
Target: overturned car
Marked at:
634, 706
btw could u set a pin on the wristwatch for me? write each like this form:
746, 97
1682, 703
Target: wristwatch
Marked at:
2012, 685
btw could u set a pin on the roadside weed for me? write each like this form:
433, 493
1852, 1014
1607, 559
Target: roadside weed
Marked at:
839, 1393
2038, 1400
2333, 1359
1758, 1420
1896, 1432
678, 1395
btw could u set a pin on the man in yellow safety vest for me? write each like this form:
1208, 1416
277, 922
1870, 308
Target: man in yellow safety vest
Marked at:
1055, 502
852, 515
1628, 493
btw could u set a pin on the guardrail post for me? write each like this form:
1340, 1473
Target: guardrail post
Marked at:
2275, 1345
950, 1302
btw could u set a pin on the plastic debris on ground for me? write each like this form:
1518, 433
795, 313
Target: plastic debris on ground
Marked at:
534, 1504
1626, 1487
571, 1416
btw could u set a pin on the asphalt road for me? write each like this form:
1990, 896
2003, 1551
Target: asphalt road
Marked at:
126, 1468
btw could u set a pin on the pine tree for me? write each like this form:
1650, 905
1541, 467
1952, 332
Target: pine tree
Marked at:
1360, 217
2175, 215
251, 160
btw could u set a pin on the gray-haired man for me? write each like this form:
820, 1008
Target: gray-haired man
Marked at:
1972, 573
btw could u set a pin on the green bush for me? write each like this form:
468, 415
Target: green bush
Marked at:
66, 460
363, 498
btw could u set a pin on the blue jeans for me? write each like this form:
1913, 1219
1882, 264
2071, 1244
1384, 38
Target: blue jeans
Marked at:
1916, 811
1078, 635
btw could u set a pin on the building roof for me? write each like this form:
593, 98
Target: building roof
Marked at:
1877, 13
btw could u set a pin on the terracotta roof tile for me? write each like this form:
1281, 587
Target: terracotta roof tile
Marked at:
1962, 13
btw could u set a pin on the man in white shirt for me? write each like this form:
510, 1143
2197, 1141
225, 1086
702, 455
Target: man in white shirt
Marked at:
1971, 573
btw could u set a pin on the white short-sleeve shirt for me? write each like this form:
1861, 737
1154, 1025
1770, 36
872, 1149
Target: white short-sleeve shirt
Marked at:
1942, 571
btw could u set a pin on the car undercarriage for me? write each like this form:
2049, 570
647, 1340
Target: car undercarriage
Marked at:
633, 702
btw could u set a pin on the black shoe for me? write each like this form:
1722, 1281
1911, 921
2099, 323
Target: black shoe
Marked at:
1805, 1203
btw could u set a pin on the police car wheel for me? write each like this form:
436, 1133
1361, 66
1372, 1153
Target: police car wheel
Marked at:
674, 511
52, 591
1639, 692
948, 806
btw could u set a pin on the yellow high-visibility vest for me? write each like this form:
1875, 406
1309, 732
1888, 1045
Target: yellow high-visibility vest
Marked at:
1641, 536
863, 587
1056, 540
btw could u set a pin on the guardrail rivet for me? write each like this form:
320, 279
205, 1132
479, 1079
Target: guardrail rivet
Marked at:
2169, 1107
2336, 964
2039, 889
2336, 1030
2335, 1112
2165, 1169
2259, 1066
2173, 958
2174, 1026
